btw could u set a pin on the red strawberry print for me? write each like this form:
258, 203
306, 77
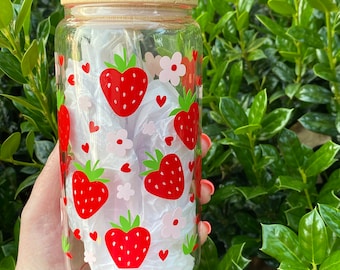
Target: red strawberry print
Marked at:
128, 243
63, 122
165, 178
186, 122
89, 191
124, 85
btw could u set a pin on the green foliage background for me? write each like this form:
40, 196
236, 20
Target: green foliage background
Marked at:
271, 106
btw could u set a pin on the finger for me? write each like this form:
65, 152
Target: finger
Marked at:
205, 144
40, 230
204, 229
207, 190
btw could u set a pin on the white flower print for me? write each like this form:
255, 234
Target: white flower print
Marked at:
149, 128
89, 257
173, 223
152, 64
172, 69
118, 143
125, 191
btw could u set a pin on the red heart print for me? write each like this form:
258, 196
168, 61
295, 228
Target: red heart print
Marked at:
61, 60
126, 168
192, 197
71, 79
85, 147
163, 254
93, 127
168, 140
161, 100
191, 165
94, 235
76, 234
86, 67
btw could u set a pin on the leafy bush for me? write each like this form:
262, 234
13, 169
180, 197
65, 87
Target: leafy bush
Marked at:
271, 105
27, 120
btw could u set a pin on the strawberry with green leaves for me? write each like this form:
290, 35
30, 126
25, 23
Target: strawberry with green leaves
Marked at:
89, 190
124, 85
190, 245
165, 177
186, 122
128, 243
63, 122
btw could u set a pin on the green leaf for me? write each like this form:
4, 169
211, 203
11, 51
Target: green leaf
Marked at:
258, 108
292, 150
305, 36
6, 13
323, 5
288, 182
30, 143
24, 12
283, 71
236, 75
232, 113
209, 257
220, 25
332, 262
22, 101
272, 26
44, 28
326, 195
313, 237
30, 58
281, 243
274, 122
321, 159
256, 55
247, 129
223, 193
295, 213
233, 259
43, 149
10, 65
313, 93
320, 123
292, 89
27, 183
290, 265
242, 21
7, 263
331, 216
282, 7
10, 146
324, 72
252, 192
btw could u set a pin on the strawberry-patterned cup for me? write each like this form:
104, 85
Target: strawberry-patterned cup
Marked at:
129, 90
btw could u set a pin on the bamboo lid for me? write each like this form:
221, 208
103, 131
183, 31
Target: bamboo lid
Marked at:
152, 2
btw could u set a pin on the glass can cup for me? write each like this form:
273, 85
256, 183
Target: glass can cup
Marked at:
129, 89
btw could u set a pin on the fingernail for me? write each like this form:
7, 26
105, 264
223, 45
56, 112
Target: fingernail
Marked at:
205, 143
208, 185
